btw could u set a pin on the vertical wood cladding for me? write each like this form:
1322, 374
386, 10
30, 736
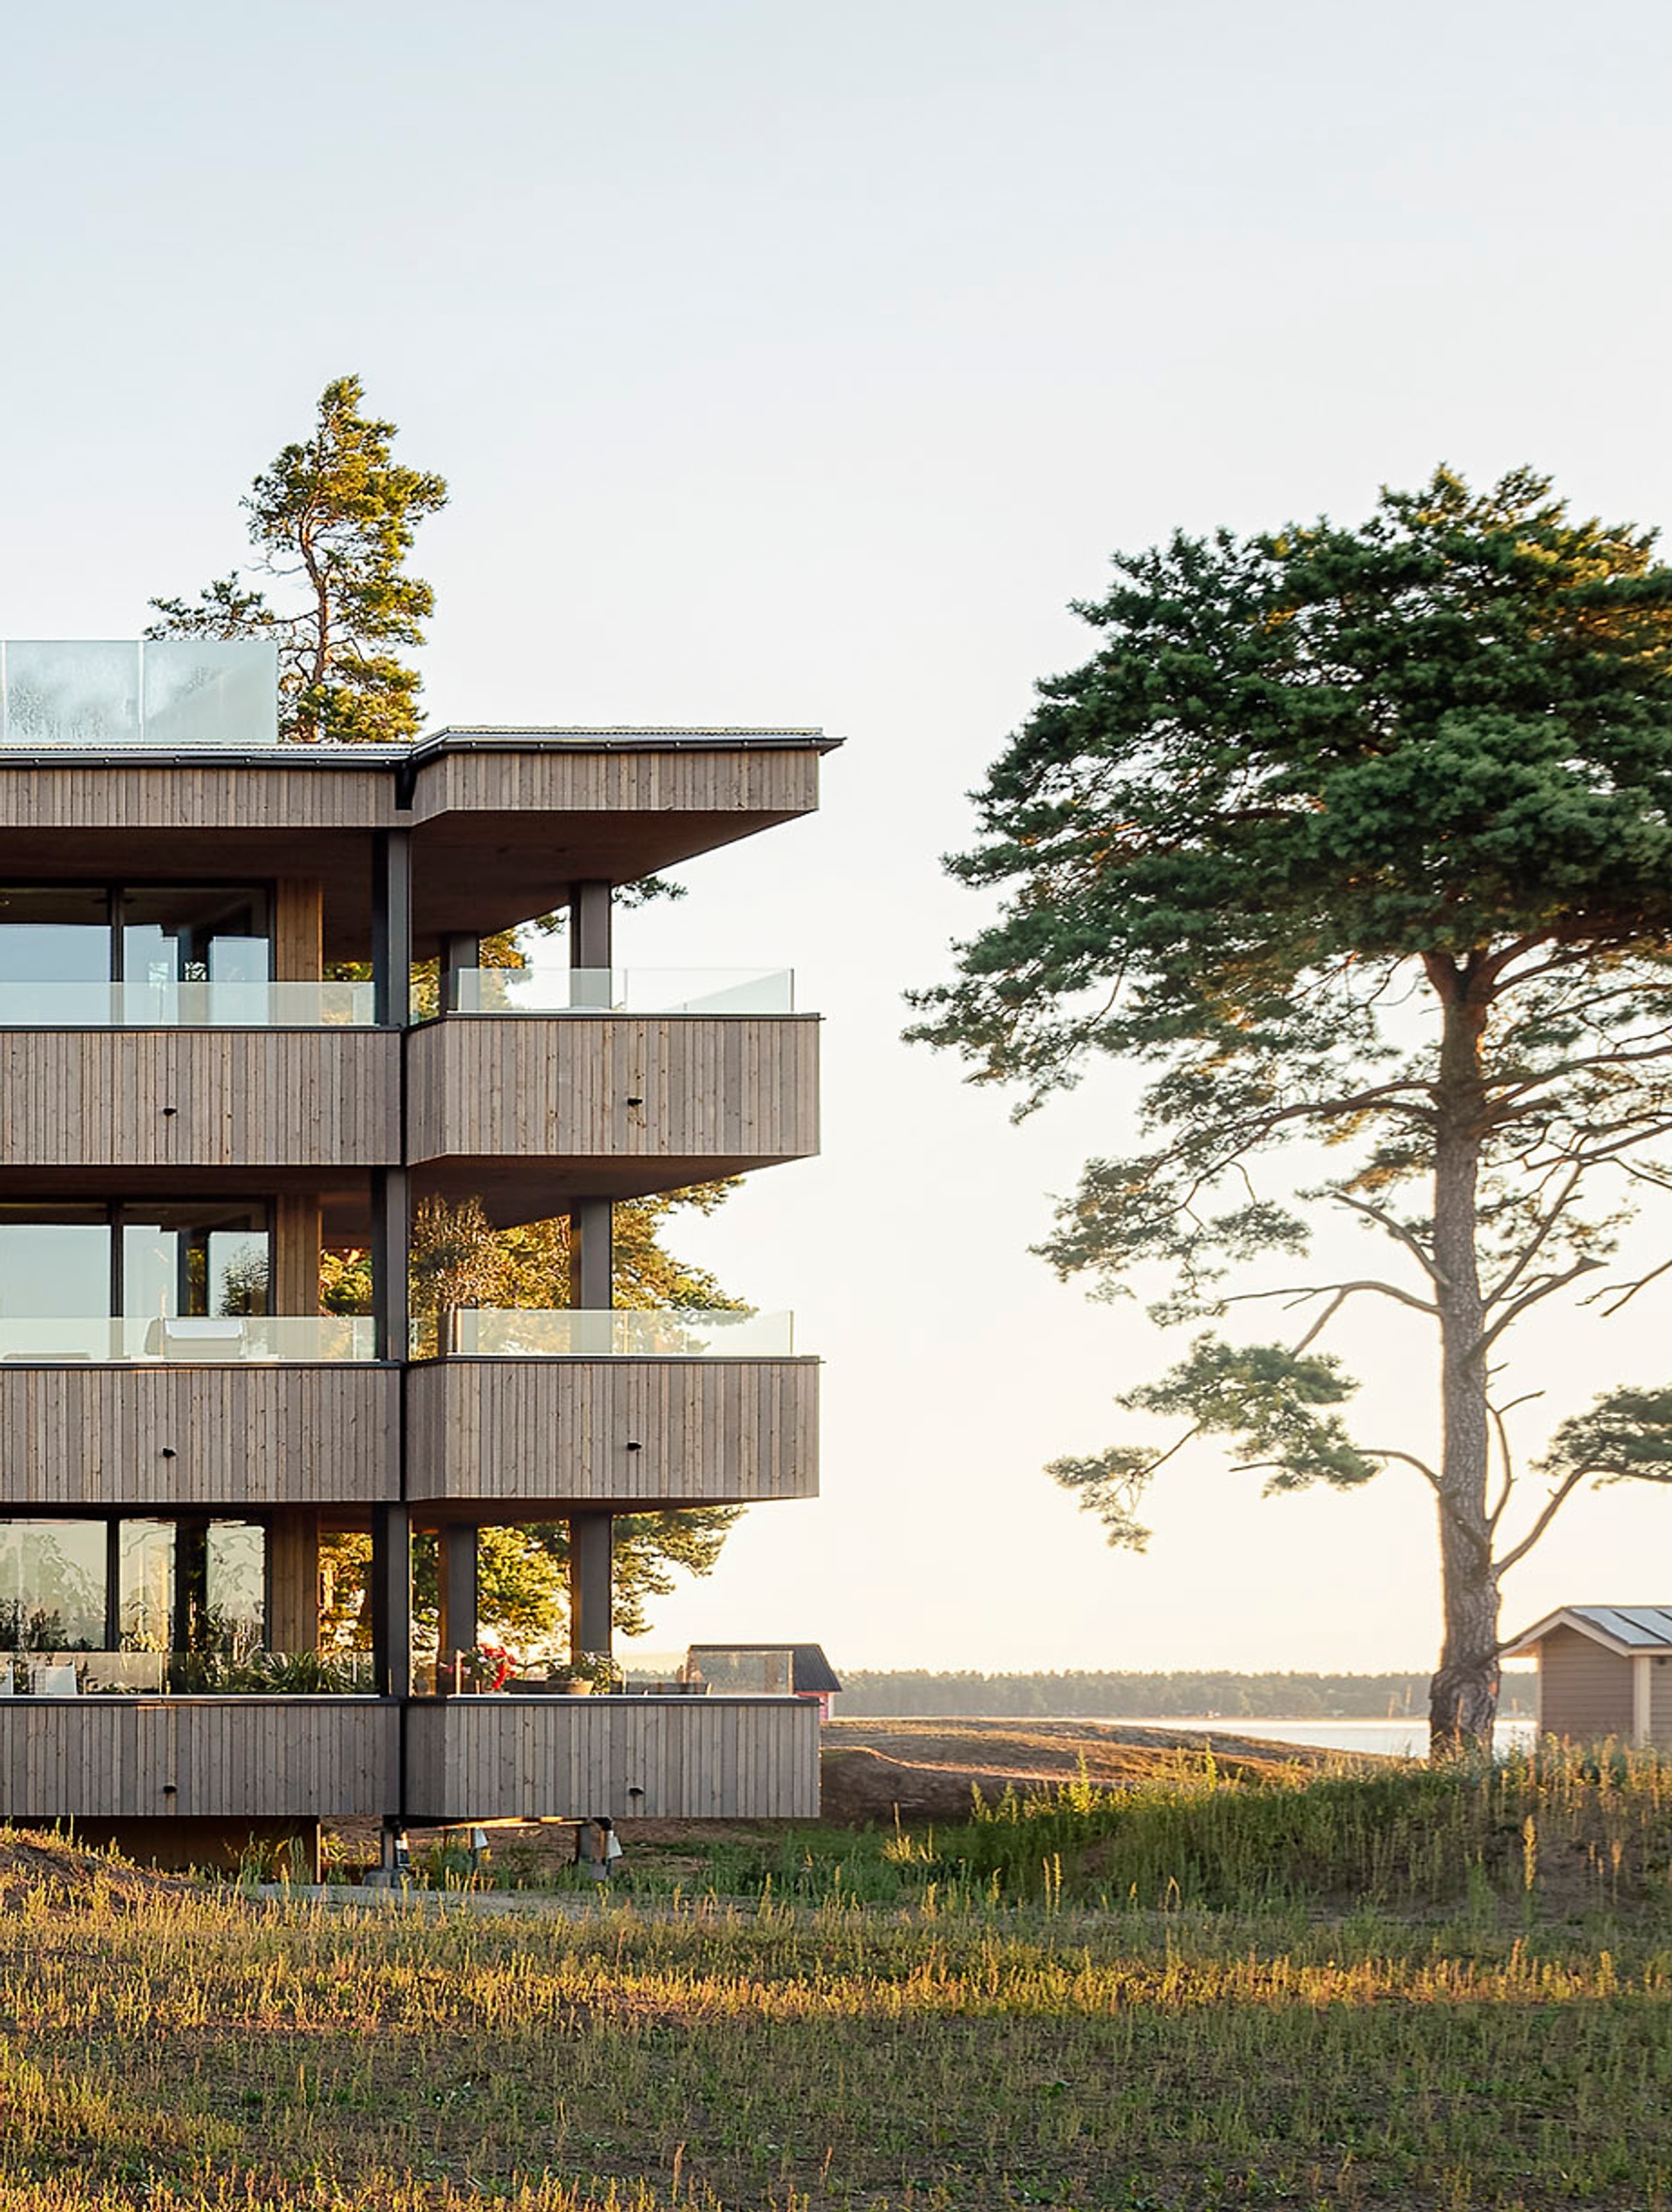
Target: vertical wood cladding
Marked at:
718, 779
1584, 1691
127, 1758
298, 929
240, 1436
171, 794
707, 1432
687, 1758
292, 1580
295, 1255
614, 1086
192, 1099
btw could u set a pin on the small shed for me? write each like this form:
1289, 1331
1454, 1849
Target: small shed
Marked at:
795, 1670
1603, 1670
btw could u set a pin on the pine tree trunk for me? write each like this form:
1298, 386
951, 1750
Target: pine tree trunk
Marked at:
1463, 1696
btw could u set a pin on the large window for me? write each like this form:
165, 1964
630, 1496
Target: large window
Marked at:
70, 1274
83, 954
199, 1260
192, 1584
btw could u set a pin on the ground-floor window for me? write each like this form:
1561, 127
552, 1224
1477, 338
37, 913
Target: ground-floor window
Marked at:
189, 1583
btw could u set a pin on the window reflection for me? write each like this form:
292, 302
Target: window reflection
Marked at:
146, 1577
199, 1260
198, 953
55, 1261
65, 1268
52, 1579
55, 954
235, 1587
65, 947
191, 1584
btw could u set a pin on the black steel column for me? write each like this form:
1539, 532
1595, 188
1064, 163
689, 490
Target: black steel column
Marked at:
391, 1260
590, 1577
590, 909
458, 952
391, 928
391, 1599
590, 941
592, 1254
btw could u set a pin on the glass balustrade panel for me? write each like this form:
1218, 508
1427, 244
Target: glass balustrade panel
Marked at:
188, 1339
631, 991
176, 694
619, 1333
89, 1673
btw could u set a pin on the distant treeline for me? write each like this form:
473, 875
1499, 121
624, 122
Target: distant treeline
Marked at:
877, 1692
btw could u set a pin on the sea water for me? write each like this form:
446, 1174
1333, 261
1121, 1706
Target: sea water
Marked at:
1402, 1739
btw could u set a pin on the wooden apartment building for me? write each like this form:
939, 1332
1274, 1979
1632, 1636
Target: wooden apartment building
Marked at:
244, 1022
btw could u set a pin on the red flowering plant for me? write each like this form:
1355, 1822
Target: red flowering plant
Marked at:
490, 1667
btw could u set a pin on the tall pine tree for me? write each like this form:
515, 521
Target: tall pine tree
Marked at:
333, 519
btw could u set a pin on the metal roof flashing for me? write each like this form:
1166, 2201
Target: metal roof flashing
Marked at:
292, 754
610, 737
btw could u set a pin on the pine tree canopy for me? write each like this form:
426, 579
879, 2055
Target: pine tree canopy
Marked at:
333, 518
1448, 729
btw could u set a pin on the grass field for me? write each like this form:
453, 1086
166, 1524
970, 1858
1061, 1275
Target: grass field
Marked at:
1434, 1991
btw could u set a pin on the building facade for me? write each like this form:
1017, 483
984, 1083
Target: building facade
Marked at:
245, 1032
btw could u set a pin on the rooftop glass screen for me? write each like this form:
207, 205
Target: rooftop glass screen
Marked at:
167, 694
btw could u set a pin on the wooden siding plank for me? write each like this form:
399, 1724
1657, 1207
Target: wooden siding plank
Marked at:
709, 1431
1584, 1690
738, 1087
240, 1435
114, 1758
632, 1758
168, 795
198, 1098
717, 780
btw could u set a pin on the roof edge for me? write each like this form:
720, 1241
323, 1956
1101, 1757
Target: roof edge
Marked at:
608, 737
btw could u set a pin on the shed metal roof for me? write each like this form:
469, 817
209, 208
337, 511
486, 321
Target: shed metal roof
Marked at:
1625, 1628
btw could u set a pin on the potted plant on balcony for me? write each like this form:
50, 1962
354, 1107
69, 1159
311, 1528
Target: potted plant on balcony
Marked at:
487, 1668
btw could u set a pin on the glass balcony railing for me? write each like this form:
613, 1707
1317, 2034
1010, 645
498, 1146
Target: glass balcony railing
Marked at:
259, 1338
169, 694
187, 1673
185, 1005
619, 1333
624, 991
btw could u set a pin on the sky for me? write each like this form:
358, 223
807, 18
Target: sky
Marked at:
801, 364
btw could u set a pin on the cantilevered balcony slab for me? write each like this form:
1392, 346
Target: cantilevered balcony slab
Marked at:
83, 1434
195, 1099
637, 1433
631, 1758
522, 1109
217, 1758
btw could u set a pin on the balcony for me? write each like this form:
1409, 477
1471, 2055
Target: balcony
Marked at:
262, 1410
193, 1098
612, 1085
138, 1757
632, 1758
639, 1410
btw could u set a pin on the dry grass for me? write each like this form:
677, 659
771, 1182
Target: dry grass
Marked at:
189, 2051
